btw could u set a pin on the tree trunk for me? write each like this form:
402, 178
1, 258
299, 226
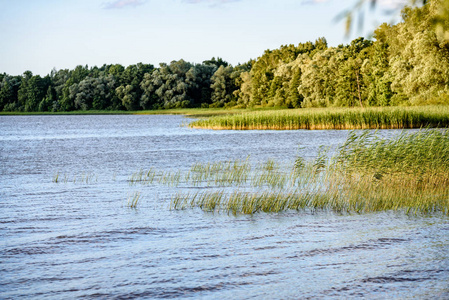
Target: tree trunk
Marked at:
358, 87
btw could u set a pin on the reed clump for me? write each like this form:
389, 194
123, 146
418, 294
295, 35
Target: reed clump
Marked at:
409, 173
331, 118
225, 173
142, 177
133, 199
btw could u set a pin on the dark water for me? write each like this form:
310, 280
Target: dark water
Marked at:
76, 240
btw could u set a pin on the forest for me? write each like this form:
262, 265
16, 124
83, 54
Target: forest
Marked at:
404, 64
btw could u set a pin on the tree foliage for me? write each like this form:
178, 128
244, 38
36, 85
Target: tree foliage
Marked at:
406, 64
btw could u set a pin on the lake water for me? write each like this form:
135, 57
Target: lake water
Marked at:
74, 239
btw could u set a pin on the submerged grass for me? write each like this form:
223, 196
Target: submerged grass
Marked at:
331, 118
85, 177
409, 173
133, 199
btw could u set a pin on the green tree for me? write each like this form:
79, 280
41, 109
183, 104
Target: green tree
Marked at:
67, 101
129, 97
9, 87
47, 102
218, 62
223, 86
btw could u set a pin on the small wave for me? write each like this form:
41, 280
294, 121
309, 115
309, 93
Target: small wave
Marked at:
26, 251
391, 279
369, 245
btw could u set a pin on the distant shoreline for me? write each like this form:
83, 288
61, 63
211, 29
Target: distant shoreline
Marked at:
329, 118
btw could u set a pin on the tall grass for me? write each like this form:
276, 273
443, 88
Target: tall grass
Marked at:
409, 173
331, 118
220, 173
421, 154
133, 199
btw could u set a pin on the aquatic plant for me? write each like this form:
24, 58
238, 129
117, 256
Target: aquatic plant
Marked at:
142, 177
331, 118
170, 179
82, 178
409, 172
220, 173
56, 177
133, 199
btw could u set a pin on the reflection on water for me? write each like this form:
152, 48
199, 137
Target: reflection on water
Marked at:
77, 239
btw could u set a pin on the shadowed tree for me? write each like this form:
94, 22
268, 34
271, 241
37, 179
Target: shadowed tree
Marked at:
222, 86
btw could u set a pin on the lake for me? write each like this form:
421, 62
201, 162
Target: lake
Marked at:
77, 238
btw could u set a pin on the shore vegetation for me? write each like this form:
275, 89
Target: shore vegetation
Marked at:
331, 118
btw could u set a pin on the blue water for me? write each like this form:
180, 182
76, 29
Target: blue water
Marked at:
74, 239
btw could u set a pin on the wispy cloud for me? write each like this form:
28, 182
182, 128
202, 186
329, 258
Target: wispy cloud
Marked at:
308, 2
391, 4
211, 2
118, 4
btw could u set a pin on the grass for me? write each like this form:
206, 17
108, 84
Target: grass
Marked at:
133, 199
331, 118
87, 178
407, 173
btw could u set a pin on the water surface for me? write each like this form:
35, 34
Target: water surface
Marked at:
76, 240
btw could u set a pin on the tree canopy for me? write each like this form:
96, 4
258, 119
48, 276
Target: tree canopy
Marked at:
404, 64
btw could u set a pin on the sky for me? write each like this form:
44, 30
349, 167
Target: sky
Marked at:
39, 35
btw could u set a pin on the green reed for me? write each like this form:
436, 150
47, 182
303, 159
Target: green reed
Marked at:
56, 177
424, 153
409, 172
133, 199
170, 179
85, 177
220, 173
331, 118
142, 176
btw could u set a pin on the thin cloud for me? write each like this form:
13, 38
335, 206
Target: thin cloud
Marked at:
391, 4
118, 4
211, 2
309, 2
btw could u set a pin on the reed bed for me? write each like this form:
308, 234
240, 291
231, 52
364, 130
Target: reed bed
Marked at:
142, 177
147, 177
407, 173
331, 118
226, 173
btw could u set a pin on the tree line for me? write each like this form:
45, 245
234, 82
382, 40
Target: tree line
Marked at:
406, 64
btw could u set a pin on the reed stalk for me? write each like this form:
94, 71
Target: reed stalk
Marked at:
133, 199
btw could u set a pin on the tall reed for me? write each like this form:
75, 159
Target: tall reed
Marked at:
331, 118
409, 172
133, 199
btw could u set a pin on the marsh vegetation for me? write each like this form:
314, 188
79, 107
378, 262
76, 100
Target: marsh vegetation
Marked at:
331, 118
367, 173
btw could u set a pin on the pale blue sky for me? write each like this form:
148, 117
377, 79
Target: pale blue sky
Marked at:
39, 35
